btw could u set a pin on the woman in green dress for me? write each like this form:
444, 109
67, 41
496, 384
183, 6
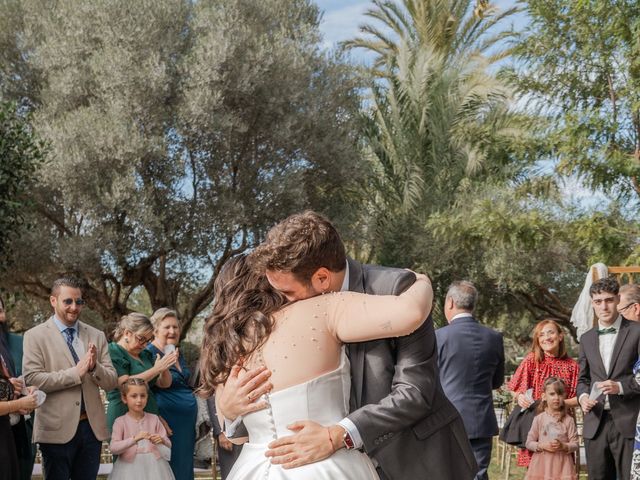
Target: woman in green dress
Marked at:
177, 403
131, 359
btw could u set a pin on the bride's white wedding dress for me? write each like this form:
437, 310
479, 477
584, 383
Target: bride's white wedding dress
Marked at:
325, 400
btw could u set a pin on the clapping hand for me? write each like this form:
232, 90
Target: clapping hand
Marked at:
165, 362
93, 351
87, 362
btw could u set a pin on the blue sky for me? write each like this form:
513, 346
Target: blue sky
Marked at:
342, 17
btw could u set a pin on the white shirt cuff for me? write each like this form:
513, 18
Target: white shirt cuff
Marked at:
230, 427
353, 432
580, 397
621, 389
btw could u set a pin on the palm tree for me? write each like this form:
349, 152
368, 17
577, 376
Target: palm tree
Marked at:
439, 118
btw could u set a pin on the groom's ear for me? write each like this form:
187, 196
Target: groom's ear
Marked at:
321, 280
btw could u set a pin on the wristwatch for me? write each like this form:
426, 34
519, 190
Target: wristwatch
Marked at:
347, 441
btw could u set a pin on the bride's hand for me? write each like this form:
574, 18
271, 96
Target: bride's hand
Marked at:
224, 442
242, 391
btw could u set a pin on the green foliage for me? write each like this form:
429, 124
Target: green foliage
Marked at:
191, 353
529, 255
21, 154
462, 185
439, 119
581, 61
179, 132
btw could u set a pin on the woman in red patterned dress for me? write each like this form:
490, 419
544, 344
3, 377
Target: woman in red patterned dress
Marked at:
548, 358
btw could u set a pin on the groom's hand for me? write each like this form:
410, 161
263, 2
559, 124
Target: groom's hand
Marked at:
242, 391
311, 443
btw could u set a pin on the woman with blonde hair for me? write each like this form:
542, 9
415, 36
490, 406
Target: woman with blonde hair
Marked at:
547, 358
131, 359
176, 403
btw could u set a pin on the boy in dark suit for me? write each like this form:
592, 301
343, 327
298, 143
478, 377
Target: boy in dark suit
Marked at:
607, 356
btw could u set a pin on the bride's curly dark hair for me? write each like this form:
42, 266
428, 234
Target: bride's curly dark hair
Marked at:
240, 322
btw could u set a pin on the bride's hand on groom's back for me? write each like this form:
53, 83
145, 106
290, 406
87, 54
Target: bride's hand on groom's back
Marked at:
242, 391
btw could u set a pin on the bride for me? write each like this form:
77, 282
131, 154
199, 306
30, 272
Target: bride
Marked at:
302, 344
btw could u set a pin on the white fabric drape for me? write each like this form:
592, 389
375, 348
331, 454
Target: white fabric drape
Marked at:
582, 314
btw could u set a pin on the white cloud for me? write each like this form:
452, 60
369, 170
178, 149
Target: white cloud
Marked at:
341, 23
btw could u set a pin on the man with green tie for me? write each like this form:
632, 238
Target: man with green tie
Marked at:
607, 391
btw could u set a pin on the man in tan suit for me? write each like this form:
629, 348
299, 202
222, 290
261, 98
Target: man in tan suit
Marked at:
69, 360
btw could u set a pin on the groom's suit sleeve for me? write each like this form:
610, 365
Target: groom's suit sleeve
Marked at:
413, 388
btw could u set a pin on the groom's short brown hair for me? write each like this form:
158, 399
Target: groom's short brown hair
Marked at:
301, 244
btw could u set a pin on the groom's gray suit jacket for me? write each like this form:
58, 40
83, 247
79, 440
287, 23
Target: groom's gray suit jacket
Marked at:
397, 403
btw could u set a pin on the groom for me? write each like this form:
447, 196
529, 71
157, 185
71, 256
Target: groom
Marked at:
399, 414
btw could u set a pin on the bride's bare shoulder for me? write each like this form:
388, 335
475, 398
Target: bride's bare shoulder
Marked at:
314, 303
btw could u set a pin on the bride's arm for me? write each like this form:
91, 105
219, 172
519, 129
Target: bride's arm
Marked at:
357, 317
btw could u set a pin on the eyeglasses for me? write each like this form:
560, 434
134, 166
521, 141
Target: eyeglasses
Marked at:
69, 301
627, 306
142, 340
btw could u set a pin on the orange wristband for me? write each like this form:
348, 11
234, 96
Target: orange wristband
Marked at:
330, 440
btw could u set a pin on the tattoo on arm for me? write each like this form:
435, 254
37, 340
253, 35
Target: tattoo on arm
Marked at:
386, 326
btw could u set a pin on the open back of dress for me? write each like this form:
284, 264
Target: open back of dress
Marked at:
324, 399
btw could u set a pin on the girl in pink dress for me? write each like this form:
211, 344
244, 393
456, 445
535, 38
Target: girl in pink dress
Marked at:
139, 438
553, 436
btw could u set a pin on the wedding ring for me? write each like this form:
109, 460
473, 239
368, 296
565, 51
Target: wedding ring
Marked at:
249, 396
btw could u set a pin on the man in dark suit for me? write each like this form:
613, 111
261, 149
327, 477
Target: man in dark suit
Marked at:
399, 414
227, 453
607, 355
629, 306
471, 362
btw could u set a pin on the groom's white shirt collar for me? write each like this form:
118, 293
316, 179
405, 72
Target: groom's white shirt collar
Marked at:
461, 315
345, 423
345, 282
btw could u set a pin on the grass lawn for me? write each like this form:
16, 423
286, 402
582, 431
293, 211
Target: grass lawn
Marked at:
515, 473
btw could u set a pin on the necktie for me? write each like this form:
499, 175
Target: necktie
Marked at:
606, 331
69, 333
